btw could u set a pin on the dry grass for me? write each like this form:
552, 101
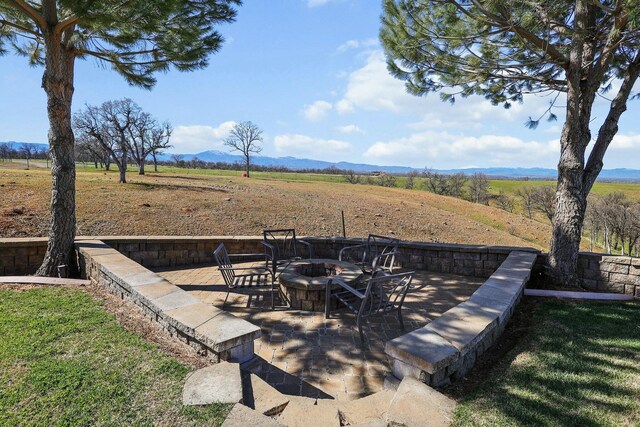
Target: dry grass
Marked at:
189, 204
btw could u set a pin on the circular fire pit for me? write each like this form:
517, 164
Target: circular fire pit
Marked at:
304, 282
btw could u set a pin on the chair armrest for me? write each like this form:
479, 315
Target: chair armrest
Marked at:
259, 269
308, 245
386, 255
347, 249
269, 249
244, 255
347, 287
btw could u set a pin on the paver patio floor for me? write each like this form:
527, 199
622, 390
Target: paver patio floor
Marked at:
302, 353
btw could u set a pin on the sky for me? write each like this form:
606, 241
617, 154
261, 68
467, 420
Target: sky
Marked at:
312, 75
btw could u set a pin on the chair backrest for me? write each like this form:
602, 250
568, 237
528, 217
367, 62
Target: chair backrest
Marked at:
284, 242
224, 264
380, 251
385, 293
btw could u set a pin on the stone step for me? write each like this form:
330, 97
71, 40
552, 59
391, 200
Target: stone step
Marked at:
241, 416
261, 396
37, 280
219, 383
306, 412
417, 405
369, 409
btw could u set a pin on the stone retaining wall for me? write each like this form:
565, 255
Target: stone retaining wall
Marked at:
216, 334
448, 347
599, 272
465, 260
21, 256
617, 274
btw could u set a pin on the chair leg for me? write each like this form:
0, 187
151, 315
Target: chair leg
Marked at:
273, 305
359, 323
400, 319
327, 301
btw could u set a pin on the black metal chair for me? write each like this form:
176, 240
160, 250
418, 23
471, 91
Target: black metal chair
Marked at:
378, 253
384, 293
282, 246
255, 281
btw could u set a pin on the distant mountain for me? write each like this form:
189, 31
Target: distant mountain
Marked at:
295, 163
17, 145
292, 162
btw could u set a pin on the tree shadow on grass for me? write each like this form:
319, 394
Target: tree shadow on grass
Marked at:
576, 366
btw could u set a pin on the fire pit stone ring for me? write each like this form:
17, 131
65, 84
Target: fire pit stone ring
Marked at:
303, 282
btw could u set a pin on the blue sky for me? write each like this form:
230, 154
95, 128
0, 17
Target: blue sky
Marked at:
311, 74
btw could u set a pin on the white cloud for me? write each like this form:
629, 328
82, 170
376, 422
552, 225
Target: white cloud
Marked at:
349, 44
317, 111
445, 150
197, 138
349, 129
355, 44
625, 142
309, 147
372, 88
343, 106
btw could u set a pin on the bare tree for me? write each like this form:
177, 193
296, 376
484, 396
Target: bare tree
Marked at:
107, 125
479, 188
351, 177
178, 159
27, 151
455, 184
160, 142
505, 201
4, 151
386, 180
410, 183
146, 136
526, 195
544, 201
245, 137
435, 182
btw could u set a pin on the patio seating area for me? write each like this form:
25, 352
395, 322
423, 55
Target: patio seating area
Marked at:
302, 353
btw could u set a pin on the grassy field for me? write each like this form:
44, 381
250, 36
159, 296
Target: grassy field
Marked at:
65, 361
212, 202
575, 364
632, 190
169, 203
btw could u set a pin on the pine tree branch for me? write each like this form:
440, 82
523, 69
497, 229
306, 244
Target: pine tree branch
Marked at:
543, 45
29, 11
20, 28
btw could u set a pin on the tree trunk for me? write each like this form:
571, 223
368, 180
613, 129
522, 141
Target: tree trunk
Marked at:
570, 209
247, 166
141, 168
57, 82
122, 168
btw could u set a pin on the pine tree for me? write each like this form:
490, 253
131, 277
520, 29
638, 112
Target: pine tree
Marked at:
137, 38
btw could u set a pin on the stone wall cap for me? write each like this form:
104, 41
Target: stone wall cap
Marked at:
424, 349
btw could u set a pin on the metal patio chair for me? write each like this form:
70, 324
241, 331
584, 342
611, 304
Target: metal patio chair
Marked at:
257, 280
384, 293
377, 253
282, 247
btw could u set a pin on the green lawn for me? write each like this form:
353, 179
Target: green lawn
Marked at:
579, 365
65, 361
